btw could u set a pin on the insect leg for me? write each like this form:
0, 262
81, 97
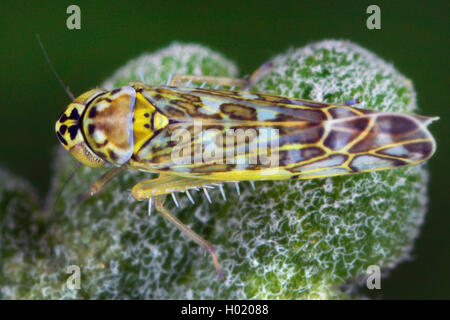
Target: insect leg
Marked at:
98, 185
242, 83
179, 79
159, 206
262, 71
158, 189
166, 184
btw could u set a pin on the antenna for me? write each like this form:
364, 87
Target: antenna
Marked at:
77, 166
44, 52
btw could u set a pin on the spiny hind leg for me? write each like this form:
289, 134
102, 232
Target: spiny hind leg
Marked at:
158, 189
168, 184
159, 206
244, 83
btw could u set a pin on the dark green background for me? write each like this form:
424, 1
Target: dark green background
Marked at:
414, 36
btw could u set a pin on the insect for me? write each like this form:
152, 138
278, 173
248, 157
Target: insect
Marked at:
133, 127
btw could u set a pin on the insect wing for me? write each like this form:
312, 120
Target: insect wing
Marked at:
313, 139
186, 104
364, 143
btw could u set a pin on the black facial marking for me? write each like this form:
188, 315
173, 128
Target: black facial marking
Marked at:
146, 115
112, 155
147, 126
63, 129
115, 91
92, 112
74, 115
91, 129
73, 131
63, 141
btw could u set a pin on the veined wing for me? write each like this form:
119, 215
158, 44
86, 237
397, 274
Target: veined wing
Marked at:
298, 142
186, 104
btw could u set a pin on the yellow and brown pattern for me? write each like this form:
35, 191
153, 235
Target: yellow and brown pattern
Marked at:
135, 125
176, 132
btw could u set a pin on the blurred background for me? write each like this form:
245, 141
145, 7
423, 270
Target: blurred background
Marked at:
414, 36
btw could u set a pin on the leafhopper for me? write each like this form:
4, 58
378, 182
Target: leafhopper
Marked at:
197, 138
